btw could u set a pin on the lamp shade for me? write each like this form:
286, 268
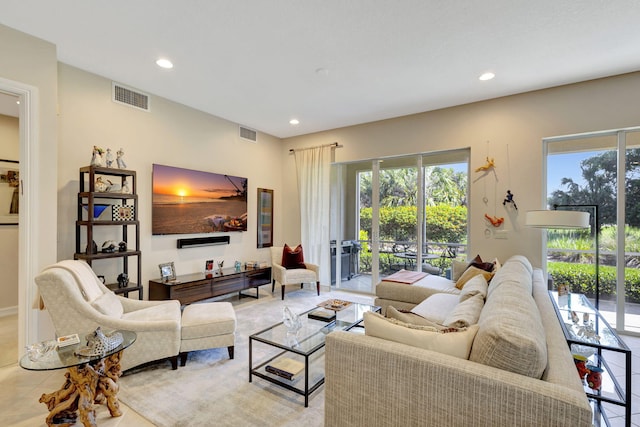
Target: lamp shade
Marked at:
557, 219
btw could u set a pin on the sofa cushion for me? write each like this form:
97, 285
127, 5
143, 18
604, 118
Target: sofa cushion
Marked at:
109, 305
470, 273
453, 342
416, 292
408, 317
437, 307
511, 335
477, 285
465, 313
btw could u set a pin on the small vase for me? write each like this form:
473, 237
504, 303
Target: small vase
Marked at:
581, 365
594, 377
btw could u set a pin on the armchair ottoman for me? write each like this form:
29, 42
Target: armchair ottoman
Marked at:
207, 325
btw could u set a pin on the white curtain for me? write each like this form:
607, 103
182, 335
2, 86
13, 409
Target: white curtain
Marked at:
312, 168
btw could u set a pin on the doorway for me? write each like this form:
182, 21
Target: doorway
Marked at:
9, 206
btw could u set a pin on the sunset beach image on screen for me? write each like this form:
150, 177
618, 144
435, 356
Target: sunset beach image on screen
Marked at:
187, 201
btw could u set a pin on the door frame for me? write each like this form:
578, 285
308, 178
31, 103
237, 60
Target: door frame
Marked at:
27, 222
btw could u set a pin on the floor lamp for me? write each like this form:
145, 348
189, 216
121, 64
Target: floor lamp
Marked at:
564, 219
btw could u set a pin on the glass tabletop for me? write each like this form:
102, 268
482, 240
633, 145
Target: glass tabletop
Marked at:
65, 357
582, 323
313, 332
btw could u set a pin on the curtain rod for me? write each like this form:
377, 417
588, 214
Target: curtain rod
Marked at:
333, 144
9, 161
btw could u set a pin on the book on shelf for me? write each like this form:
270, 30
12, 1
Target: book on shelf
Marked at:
285, 367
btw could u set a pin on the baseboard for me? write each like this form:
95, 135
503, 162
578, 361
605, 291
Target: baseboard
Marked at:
8, 311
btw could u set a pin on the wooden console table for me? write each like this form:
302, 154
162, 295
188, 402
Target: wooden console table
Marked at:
195, 287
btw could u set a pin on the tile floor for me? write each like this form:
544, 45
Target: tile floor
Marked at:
21, 389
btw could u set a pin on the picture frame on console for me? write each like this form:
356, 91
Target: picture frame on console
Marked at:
167, 271
265, 218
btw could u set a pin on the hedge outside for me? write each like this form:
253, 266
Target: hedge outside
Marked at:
581, 279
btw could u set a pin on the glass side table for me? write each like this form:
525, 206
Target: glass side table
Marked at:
89, 380
589, 334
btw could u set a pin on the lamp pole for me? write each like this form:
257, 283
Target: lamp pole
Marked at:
596, 223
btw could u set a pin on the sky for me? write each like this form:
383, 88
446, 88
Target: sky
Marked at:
565, 165
191, 183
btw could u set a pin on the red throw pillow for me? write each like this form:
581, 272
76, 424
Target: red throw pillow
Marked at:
292, 258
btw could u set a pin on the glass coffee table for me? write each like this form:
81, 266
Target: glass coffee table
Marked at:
276, 344
89, 379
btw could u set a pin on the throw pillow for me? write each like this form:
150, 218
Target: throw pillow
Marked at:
453, 342
408, 317
108, 304
477, 285
292, 258
436, 307
471, 272
479, 263
465, 313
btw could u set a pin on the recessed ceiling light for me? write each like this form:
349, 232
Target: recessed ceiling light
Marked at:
486, 76
294, 122
164, 63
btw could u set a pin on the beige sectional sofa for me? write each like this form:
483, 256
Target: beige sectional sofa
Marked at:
519, 371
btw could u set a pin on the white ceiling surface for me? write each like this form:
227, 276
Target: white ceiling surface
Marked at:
254, 62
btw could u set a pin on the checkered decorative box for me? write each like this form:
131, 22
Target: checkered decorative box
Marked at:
123, 213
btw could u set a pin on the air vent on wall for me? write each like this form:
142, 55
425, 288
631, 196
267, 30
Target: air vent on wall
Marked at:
248, 134
128, 96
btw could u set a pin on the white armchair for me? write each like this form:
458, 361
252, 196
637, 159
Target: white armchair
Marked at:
291, 276
78, 302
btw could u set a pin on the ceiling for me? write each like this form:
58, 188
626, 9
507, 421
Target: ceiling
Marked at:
335, 63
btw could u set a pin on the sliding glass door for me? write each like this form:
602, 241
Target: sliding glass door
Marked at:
598, 172
399, 213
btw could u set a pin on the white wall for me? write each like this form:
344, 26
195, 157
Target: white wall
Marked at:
9, 150
170, 134
31, 64
513, 126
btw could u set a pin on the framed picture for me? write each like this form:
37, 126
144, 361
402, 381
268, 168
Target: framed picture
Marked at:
208, 266
123, 212
9, 191
167, 271
265, 218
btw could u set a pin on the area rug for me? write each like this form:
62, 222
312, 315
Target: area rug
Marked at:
214, 390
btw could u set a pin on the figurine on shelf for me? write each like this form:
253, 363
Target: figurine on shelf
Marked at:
509, 199
120, 160
123, 280
96, 157
101, 186
109, 158
220, 264
125, 186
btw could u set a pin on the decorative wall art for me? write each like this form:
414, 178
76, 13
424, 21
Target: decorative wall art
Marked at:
265, 218
188, 201
9, 191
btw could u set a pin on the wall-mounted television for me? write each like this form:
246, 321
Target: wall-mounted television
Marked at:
188, 201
